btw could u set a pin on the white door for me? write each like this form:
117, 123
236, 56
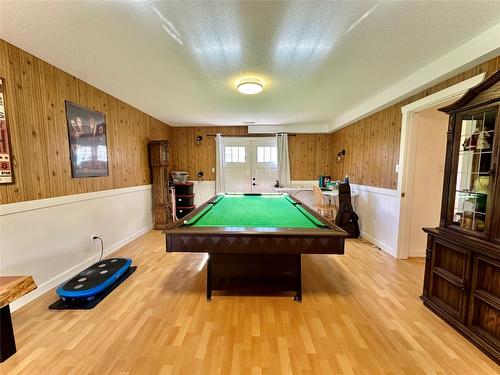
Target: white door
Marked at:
264, 164
237, 164
250, 164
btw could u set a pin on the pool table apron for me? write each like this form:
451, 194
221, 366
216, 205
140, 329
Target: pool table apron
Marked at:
247, 259
242, 262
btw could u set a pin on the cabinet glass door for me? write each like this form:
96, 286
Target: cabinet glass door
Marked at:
474, 176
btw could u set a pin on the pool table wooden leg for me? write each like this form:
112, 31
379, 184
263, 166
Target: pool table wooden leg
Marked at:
298, 281
7, 341
209, 278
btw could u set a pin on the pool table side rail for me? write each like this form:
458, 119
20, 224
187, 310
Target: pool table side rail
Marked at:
215, 198
322, 240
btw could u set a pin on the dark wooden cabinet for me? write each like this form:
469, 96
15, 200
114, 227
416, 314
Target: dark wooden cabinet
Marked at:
449, 282
159, 162
462, 268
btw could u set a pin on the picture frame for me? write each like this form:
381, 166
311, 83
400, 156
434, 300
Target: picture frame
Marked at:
6, 159
87, 141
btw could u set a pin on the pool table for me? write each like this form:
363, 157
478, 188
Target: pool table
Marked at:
254, 241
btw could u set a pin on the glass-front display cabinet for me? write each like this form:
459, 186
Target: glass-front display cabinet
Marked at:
474, 170
462, 265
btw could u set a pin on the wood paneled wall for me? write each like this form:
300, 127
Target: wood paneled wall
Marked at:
35, 95
191, 157
372, 144
310, 154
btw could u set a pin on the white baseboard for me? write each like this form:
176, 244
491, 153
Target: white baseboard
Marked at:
379, 244
416, 253
62, 277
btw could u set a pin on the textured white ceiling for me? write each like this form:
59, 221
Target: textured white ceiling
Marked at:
178, 61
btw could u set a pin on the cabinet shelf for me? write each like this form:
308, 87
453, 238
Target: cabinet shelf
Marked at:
477, 152
472, 213
471, 192
478, 133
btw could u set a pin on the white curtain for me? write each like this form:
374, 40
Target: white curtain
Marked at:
219, 164
283, 160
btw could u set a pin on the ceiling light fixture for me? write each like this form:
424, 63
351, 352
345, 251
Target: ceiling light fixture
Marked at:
250, 86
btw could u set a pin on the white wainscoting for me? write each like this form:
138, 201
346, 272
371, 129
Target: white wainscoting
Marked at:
51, 239
203, 191
378, 211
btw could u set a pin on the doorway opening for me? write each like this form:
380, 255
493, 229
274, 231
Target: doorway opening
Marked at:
250, 164
430, 127
421, 163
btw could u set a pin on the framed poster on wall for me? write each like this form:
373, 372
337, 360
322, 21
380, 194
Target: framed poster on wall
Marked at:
6, 172
87, 141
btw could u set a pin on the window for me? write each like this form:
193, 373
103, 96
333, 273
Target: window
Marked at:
267, 154
234, 154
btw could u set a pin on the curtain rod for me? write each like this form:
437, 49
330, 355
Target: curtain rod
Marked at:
250, 135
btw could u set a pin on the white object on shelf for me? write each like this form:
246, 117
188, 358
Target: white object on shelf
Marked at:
179, 176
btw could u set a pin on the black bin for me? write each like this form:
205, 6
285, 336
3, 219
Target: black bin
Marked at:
184, 200
183, 188
183, 211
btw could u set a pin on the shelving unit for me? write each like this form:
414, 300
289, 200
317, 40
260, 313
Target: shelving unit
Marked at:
462, 269
184, 198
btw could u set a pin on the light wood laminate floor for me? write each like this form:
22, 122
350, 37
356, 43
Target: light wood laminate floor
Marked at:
361, 314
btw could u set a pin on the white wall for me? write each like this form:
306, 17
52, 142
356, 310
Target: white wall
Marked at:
378, 211
50, 239
203, 190
431, 127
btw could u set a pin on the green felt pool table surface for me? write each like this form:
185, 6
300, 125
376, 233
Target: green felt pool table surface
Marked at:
257, 211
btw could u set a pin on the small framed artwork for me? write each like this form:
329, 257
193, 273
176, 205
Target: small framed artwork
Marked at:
6, 171
87, 141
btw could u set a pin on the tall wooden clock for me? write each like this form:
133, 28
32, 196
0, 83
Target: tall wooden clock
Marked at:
159, 162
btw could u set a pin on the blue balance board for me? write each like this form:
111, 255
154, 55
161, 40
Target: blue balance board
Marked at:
95, 279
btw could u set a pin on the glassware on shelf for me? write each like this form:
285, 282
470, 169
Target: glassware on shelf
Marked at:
481, 184
472, 175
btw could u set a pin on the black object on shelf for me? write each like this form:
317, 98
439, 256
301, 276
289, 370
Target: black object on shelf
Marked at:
183, 211
183, 188
184, 198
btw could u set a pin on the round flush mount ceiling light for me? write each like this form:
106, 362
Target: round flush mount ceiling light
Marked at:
250, 86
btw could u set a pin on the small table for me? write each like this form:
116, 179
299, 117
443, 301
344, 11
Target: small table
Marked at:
11, 288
